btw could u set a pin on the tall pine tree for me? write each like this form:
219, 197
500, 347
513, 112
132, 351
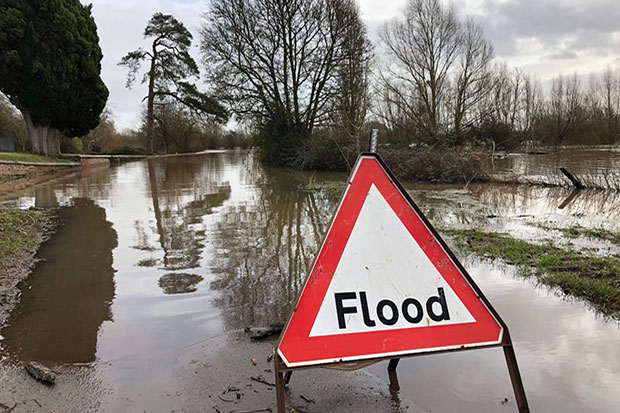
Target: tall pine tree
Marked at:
170, 64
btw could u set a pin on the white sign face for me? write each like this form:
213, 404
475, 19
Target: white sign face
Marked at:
385, 281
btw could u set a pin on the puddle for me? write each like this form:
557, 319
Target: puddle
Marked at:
64, 304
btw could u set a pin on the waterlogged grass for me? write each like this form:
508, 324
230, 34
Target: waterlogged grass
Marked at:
331, 189
595, 279
28, 157
577, 231
19, 234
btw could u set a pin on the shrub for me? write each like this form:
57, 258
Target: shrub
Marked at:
281, 144
438, 165
326, 151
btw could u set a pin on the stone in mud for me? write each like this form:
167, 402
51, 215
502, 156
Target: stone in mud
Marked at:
41, 373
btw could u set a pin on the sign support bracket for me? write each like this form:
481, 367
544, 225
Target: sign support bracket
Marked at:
515, 375
283, 375
281, 381
393, 364
372, 148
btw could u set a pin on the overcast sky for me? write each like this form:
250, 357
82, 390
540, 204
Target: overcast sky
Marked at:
544, 37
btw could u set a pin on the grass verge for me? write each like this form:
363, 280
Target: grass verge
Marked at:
19, 234
576, 231
595, 279
28, 157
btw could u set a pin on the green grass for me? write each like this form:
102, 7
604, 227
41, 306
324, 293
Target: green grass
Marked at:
19, 233
28, 157
331, 189
596, 233
577, 231
595, 279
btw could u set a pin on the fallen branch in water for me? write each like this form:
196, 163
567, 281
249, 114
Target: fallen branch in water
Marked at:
572, 178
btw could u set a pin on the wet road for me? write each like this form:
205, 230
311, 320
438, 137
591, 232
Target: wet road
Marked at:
143, 295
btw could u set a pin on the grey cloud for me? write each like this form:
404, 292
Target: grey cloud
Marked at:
552, 23
563, 55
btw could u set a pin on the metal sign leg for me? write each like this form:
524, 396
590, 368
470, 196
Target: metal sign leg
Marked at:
280, 383
515, 378
393, 364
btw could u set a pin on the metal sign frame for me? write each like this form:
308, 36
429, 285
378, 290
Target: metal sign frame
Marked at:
283, 372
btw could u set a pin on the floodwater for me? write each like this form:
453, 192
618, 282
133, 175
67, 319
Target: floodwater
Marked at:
595, 166
141, 297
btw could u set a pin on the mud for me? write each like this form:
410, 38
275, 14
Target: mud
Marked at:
213, 375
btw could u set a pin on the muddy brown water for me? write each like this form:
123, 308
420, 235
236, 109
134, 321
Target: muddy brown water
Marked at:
141, 297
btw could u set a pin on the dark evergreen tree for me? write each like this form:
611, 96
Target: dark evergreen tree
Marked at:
50, 65
170, 66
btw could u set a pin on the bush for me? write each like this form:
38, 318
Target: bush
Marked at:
327, 152
500, 133
280, 144
438, 165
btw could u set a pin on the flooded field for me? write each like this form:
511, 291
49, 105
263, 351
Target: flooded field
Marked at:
595, 166
141, 298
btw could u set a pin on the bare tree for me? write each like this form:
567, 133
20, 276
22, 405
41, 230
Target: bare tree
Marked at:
564, 105
531, 106
610, 88
353, 99
277, 62
474, 77
12, 124
423, 48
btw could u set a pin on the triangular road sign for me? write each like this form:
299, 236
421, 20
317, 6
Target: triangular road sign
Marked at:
384, 284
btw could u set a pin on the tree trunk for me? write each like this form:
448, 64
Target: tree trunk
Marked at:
42, 141
150, 116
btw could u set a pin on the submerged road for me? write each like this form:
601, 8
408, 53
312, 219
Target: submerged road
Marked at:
144, 293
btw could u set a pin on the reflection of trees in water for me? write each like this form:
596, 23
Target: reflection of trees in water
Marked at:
482, 202
519, 199
183, 191
179, 283
45, 196
264, 249
68, 295
596, 167
144, 241
62, 189
450, 205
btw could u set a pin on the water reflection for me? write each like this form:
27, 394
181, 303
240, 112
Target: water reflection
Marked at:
179, 283
45, 197
183, 191
482, 204
593, 164
264, 248
69, 297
